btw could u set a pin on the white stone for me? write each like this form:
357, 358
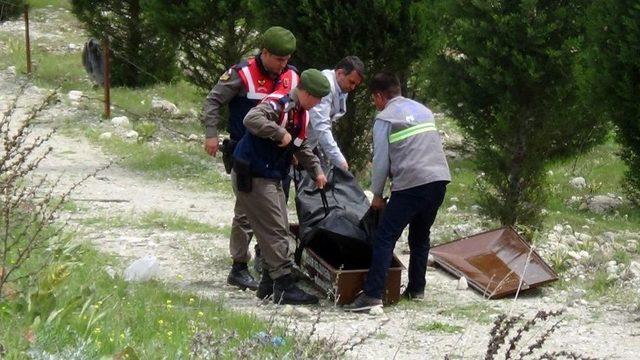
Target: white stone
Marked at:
454, 199
75, 95
110, 271
131, 134
105, 136
583, 237
558, 228
634, 269
120, 121
569, 239
574, 255
143, 269
164, 105
377, 311
11, 70
476, 208
303, 311
287, 310
550, 172
601, 204
452, 208
578, 182
194, 137
609, 236
584, 254
462, 284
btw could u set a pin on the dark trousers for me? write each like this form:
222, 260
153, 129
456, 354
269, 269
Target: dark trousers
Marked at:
416, 207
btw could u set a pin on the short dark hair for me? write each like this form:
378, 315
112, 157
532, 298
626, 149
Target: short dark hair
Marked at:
351, 63
386, 83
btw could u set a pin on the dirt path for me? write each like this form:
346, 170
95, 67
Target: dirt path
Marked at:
199, 263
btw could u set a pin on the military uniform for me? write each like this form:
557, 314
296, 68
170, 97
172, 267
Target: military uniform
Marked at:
260, 164
242, 87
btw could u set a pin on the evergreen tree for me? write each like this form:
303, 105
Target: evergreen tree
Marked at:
613, 77
10, 9
504, 70
211, 35
139, 55
384, 34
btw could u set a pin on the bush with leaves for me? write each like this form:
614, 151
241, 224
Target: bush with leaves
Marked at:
505, 71
28, 205
211, 35
10, 9
385, 35
139, 55
613, 77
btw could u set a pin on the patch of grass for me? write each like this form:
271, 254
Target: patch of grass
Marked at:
158, 220
35, 4
435, 326
478, 312
600, 285
103, 316
621, 256
185, 162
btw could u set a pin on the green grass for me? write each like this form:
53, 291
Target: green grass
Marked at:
184, 162
35, 4
103, 316
157, 220
479, 312
436, 326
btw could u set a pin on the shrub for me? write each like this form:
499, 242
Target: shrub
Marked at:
385, 35
612, 82
139, 56
10, 9
505, 71
211, 35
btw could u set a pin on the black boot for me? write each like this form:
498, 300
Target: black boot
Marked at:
257, 261
265, 288
239, 276
285, 291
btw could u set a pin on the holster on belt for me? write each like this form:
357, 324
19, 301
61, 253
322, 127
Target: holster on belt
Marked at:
242, 169
227, 148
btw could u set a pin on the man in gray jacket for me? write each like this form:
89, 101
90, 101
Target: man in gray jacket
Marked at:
407, 149
348, 74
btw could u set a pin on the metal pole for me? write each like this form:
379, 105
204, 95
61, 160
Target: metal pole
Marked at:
107, 78
26, 35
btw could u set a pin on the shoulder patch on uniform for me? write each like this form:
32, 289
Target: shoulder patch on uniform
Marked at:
226, 75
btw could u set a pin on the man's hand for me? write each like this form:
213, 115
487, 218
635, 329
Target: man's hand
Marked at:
211, 146
285, 140
321, 181
378, 203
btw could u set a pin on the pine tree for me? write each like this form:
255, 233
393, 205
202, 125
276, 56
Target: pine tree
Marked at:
613, 77
384, 34
10, 9
211, 35
505, 71
139, 55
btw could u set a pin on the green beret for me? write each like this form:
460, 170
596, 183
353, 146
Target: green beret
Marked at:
315, 83
279, 41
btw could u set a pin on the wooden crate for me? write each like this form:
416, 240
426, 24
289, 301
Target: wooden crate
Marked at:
344, 285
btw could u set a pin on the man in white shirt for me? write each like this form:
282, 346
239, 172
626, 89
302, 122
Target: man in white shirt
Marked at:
347, 75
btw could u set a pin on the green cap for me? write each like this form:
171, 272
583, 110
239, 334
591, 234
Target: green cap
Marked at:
279, 41
315, 83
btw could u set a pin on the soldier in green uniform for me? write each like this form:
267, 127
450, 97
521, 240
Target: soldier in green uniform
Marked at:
276, 131
242, 87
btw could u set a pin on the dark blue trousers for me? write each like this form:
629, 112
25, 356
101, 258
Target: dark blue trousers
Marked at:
416, 207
